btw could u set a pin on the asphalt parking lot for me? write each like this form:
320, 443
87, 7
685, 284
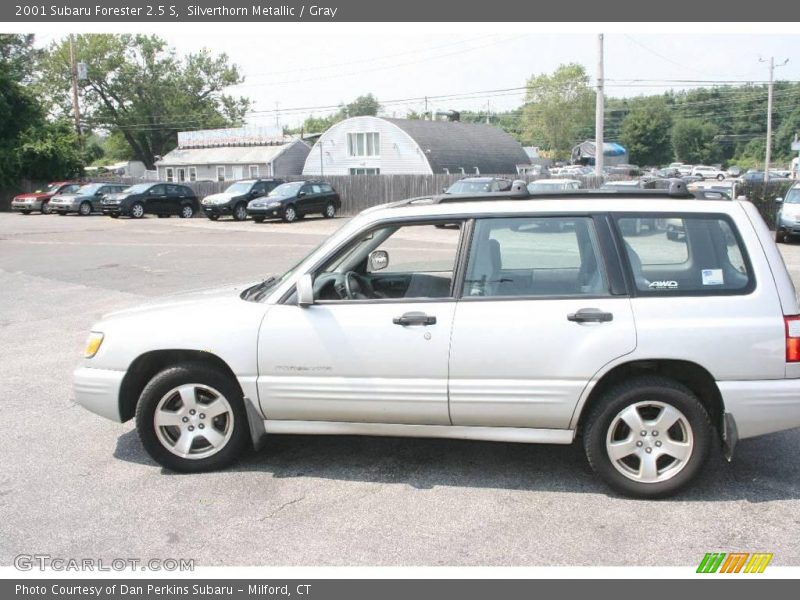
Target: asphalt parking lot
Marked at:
75, 485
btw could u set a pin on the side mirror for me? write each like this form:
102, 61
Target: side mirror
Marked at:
301, 194
378, 260
444, 190
778, 200
305, 291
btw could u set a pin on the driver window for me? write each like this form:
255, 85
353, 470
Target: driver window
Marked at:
393, 262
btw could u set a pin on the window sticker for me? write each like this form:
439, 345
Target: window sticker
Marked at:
663, 285
713, 277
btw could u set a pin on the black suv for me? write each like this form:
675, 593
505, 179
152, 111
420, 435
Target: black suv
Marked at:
162, 199
292, 201
233, 201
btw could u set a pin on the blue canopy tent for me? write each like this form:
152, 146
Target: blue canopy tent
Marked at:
613, 153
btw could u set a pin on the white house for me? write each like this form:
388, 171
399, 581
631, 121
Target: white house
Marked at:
380, 145
231, 154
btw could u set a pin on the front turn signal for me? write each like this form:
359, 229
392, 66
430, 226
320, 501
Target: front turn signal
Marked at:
93, 344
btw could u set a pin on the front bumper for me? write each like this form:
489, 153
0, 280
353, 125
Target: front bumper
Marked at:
790, 225
97, 390
63, 207
26, 205
111, 209
217, 209
265, 212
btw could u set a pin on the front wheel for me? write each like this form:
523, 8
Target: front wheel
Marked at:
240, 212
46, 210
191, 418
290, 214
137, 210
85, 209
648, 437
780, 236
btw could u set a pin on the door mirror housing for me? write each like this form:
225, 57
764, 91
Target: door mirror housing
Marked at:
300, 194
378, 260
305, 291
778, 200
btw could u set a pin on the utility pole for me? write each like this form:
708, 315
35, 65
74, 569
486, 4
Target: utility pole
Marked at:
599, 112
73, 67
425, 114
277, 116
488, 111
768, 156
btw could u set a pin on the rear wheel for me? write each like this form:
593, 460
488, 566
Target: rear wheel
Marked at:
137, 210
240, 212
85, 209
191, 418
187, 211
648, 437
330, 211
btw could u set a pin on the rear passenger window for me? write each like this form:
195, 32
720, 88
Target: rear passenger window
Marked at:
533, 256
694, 255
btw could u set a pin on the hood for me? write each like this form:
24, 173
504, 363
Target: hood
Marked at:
68, 197
34, 196
225, 196
790, 208
118, 195
184, 302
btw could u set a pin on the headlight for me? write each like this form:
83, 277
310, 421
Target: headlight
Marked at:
273, 205
93, 344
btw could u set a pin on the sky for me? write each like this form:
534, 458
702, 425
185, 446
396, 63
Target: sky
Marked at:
292, 72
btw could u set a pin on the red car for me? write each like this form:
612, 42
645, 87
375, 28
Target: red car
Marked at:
40, 199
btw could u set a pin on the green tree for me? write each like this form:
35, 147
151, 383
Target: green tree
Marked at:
362, 106
138, 86
559, 109
50, 150
645, 132
694, 141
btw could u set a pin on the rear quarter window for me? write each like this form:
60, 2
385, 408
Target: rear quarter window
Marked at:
685, 255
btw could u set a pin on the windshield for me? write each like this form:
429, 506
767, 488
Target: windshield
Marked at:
136, 189
286, 190
470, 187
89, 188
240, 187
793, 196
52, 189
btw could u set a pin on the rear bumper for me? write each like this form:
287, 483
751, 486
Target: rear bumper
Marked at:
761, 407
97, 390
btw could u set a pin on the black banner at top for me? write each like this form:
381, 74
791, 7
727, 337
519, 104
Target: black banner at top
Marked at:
328, 11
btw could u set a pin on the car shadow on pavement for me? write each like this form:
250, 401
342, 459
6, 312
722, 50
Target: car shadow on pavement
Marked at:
761, 471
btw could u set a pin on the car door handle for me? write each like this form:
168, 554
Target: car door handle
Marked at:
414, 318
590, 315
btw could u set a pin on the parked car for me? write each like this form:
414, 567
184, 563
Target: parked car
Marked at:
653, 358
40, 199
85, 200
479, 185
787, 219
734, 171
758, 177
707, 172
162, 199
295, 200
543, 186
233, 201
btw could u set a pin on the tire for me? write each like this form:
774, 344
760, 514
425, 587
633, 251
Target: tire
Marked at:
213, 217
187, 211
644, 400
780, 236
720, 177
290, 214
46, 210
85, 209
166, 395
240, 212
137, 210
330, 211
258, 219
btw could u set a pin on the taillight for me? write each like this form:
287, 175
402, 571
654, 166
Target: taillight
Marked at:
792, 338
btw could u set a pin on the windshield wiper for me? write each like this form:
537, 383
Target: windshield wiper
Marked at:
257, 291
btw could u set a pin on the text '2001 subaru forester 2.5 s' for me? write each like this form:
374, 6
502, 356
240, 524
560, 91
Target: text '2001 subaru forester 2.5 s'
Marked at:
542, 320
